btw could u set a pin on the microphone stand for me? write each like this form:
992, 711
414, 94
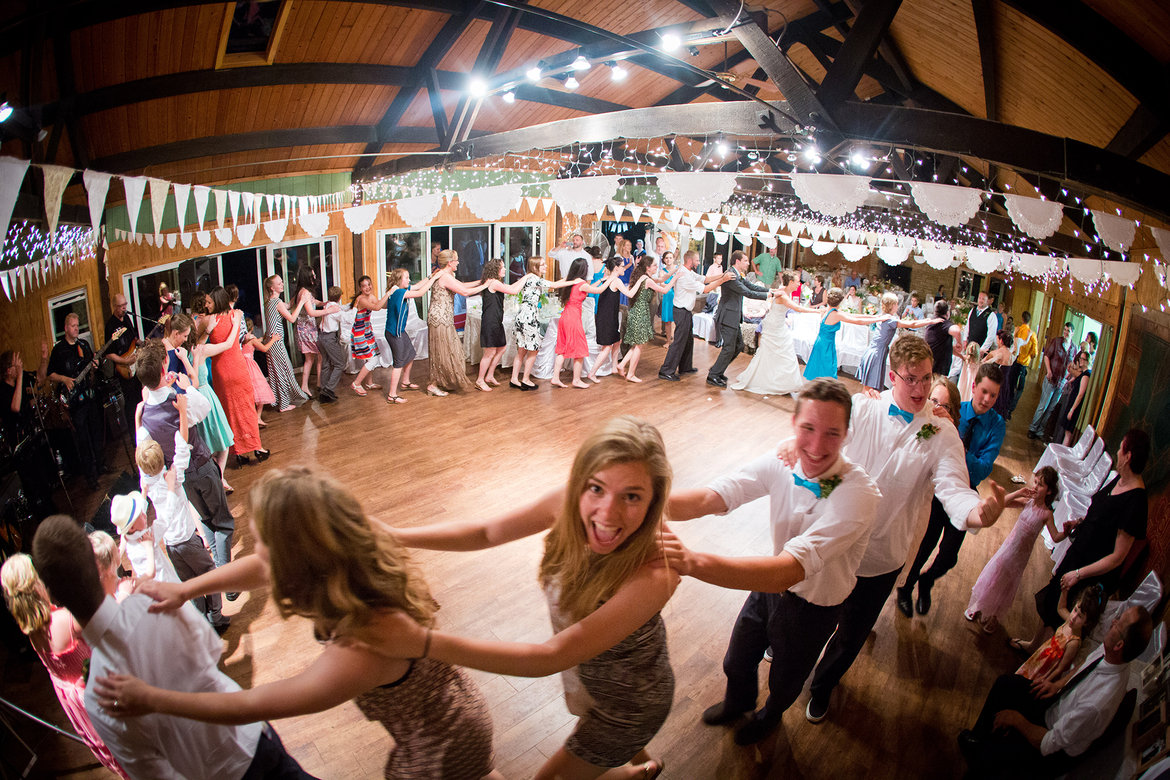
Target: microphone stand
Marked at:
48, 443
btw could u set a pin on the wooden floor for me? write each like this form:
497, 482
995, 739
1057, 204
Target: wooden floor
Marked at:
895, 715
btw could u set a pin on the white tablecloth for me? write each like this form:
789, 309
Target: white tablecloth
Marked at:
546, 357
471, 330
852, 340
703, 326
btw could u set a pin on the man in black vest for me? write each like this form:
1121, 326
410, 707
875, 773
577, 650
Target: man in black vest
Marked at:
982, 325
69, 358
203, 483
729, 316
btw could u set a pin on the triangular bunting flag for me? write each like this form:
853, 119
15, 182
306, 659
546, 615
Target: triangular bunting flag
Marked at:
172, 239
234, 204
182, 196
97, 184
246, 232
56, 180
158, 202
185, 239
12, 173
269, 199
201, 195
221, 198
655, 213
532, 203
135, 187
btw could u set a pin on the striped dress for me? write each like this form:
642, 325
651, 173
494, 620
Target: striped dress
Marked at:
280, 372
362, 344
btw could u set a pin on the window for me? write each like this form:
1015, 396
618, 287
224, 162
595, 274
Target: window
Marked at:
515, 244
409, 249
61, 306
251, 32
284, 260
183, 279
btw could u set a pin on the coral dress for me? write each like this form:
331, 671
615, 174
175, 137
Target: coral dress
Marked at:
995, 590
233, 385
1047, 656
571, 341
66, 670
822, 361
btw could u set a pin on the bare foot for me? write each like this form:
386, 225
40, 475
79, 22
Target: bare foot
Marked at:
491, 380
557, 383
290, 407
304, 390
261, 423
581, 385
594, 380
632, 378
620, 370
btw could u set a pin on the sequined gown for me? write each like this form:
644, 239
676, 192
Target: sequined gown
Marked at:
448, 363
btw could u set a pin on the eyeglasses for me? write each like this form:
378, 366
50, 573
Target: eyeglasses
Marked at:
923, 381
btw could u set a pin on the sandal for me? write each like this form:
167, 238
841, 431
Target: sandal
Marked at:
395, 399
410, 386
358, 389
373, 386
227, 489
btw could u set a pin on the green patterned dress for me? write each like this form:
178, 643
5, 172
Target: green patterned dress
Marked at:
639, 326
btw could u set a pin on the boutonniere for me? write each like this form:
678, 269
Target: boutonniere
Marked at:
926, 431
828, 484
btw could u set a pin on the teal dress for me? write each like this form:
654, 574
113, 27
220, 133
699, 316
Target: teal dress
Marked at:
214, 429
822, 361
668, 299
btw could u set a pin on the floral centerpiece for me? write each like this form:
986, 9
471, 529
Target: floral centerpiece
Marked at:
960, 312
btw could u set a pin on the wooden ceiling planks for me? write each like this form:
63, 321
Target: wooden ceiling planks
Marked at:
1046, 85
1145, 21
621, 16
260, 164
388, 149
527, 48
1158, 157
937, 39
461, 57
356, 32
149, 44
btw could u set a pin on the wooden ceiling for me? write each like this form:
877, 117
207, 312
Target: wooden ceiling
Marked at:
131, 86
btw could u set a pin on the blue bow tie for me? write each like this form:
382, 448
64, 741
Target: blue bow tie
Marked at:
905, 415
811, 484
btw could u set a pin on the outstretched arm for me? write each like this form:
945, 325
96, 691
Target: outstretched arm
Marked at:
495, 285
247, 573
861, 319
912, 323
763, 573
481, 534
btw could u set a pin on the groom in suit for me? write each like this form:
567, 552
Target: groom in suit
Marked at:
729, 315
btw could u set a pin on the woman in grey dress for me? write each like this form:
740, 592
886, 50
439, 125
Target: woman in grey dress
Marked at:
872, 371
605, 595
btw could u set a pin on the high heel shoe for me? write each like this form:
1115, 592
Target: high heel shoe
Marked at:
262, 455
243, 460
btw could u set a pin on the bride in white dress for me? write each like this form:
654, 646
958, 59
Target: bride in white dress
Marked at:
774, 369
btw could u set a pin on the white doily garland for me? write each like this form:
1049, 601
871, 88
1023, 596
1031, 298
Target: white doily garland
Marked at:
834, 196
275, 229
783, 239
1162, 239
314, 224
173, 240
893, 255
947, 204
854, 252
701, 191
822, 247
223, 234
804, 242
1123, 273
246, 232
1117, 232
583, 195
1036, 265
767, 239
938, 257
984, 261
417, 212
359, 218
204, 237
1038, 218
719, 236
491, 204
1085, 270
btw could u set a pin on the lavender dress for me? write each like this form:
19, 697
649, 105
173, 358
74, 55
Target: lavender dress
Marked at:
996, 587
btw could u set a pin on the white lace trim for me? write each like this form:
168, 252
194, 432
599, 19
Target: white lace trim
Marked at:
1038, 218
947, 204
834, 196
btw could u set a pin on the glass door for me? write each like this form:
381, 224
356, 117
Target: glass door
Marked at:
514, 244
285, 260
409, 249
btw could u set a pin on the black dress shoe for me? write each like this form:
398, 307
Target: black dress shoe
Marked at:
526, 386
904, 601
324, 398
714, 382
970, 745
670, 377
754, 730
689, 371
719, 715
232, 596
922, 606
243, 460
516, 385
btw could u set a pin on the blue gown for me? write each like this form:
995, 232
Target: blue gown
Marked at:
822, 361
872, 372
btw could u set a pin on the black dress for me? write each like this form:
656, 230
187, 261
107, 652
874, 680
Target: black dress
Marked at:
606, 318
1004, 401
1068, 398
491, 328
1093, 540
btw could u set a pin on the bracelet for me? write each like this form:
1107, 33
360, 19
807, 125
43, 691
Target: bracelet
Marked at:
427, 644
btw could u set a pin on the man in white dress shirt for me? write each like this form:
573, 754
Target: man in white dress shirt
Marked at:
911, 455
687, 287
178, 651
1028, 729
566, 254
982, 325
821, 514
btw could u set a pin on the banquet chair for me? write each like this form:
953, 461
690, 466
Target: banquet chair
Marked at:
416, 329
1055, 451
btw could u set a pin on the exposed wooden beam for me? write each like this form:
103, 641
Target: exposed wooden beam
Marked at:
486, 63
888, 52
1140, 133
701, 7
856, 53
66, 89
438, 113
988, 49
137, 159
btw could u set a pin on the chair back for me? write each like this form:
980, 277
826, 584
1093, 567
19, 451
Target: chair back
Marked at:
1083, 468
1083, 443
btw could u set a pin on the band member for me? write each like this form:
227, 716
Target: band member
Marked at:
122, 356
23, 438
67, 361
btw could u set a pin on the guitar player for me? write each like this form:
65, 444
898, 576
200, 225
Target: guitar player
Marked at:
68, 359
121, 354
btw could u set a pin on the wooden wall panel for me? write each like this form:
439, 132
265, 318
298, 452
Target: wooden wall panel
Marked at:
24, 323
320, 31
1046, 85
937, 39
149, 44
623, 17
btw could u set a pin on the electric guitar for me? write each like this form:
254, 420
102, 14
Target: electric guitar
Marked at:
81, 384
127, 371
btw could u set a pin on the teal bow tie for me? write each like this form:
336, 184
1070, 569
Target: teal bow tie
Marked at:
905, 415
811, 484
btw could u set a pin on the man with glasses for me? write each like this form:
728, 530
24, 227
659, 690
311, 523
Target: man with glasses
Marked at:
911, 456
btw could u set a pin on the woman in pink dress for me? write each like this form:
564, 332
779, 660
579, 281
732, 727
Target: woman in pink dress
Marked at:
233, 382
56, 637
995, 590
571, 341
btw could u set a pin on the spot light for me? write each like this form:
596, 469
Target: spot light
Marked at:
617, 72
534, 73
812, 153
509, 97
670, 42
477, 86
5, 111
571, 83
581, 63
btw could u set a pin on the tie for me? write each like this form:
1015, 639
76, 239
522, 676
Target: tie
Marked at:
810, 484
969, 433
896, 412
1080, 676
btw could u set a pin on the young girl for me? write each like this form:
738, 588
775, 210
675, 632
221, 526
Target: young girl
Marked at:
492, 338
142, 544
996, 587
397, 313
166, 302
248, 345
281, 378
966, 382
822, 361
56, 638
571, 341
604, 595
872, 372
324, 560
639, 324
307, 324
1052, 663
362, 341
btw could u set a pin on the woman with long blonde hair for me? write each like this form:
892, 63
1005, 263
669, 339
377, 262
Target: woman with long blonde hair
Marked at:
324, 560
56, 638
605, 594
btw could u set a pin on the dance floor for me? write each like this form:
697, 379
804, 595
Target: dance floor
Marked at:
895, 715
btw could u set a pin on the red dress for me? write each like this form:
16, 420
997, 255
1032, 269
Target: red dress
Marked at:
233, 385
571, 341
